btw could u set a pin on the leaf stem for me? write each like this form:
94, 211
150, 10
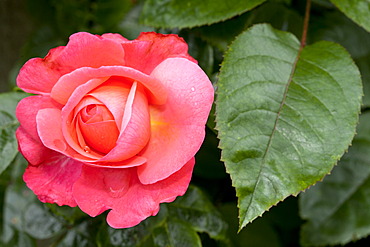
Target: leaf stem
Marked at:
305, 23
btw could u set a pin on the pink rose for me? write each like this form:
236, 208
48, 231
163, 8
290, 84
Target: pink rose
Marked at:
115, 123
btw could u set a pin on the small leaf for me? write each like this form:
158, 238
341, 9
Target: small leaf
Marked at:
8, 126
81, 235
335, 208
24, 214
176, 233
284, 117
9, 101
176, 224
191, 13
8, 142
357, 10
196, 209
39, 223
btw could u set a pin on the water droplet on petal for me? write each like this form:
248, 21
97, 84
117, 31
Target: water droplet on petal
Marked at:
87, 149
192, 89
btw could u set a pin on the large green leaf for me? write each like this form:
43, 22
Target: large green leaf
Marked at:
336, 210
8, 125
284, 117
191, 13
176, 224
357, 10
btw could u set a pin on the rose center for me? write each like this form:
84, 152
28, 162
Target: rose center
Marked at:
91, 110
98, 128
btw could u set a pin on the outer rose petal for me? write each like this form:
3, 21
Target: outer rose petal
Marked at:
30, 144
178, 126
39, 75
33, 150
150, 49
120, 190
114, 36
52, 180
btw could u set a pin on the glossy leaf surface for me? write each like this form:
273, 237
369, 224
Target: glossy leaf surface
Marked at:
357, 10
284, 117
178, 13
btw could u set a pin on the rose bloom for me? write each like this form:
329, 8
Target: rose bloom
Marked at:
114, 124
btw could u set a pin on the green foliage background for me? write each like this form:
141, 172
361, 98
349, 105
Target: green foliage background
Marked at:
286, 117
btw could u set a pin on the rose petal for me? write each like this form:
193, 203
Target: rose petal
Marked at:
49, 128
29, 142
86, 101
178, 127
120, 190
135, 130
95, 113
114, 36
27, 109
113, 94
131, 162
33, 150
39, 75
150, 49
69, 121
52, 180
68, 84
101, 136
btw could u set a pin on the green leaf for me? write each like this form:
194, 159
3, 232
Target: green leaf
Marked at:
8, 126
176, 224
334, 208
334, 26
8, 142
39, 222
357, 10
284, 117
191, 13
9, 101
23, 213
175, 233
